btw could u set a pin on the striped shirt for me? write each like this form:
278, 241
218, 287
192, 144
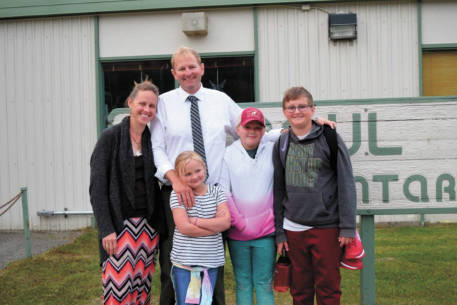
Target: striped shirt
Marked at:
205, 251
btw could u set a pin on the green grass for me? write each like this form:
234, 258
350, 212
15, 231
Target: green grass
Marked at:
414, 265
65, 275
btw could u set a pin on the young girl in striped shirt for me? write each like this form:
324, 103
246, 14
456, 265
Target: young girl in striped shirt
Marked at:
198, 249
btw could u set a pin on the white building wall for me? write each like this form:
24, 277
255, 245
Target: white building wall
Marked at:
439, 21
294, 49
47, 117
159, 33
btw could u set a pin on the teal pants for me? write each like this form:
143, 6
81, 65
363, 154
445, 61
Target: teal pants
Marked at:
253, 264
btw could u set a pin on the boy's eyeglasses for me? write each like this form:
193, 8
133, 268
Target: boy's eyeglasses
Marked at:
300, 108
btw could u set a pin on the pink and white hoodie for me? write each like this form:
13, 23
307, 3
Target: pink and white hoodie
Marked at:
249, 186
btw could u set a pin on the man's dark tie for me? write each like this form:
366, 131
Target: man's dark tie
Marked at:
197, 137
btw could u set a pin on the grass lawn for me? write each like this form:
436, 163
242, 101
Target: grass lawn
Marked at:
414, 265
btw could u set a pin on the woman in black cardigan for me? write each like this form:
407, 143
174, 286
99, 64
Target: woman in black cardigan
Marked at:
126, 201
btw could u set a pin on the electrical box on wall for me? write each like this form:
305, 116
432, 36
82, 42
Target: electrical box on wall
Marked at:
194, 23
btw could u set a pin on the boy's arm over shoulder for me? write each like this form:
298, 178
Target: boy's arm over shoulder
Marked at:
279, 194
272, 135
347, 200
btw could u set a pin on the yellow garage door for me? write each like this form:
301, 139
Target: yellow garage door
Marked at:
439, 73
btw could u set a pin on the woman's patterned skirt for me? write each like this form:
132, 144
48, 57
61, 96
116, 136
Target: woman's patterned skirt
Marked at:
127, 274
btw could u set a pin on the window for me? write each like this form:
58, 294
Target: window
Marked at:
439, 73
233, 75
119, 79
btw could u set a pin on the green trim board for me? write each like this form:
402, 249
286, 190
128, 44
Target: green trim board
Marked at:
40, 8
168, 56
374, 101
439, 46
367, 274
226, 54
419, 41
133, 58
406, 211
256, 55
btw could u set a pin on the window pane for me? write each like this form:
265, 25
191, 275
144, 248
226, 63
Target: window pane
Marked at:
232, 75
439, 73
119, 78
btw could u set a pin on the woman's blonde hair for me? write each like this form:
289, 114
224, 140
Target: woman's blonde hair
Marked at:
184, 158
145, 85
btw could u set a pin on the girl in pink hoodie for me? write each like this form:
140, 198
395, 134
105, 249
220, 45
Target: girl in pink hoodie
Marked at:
247, 177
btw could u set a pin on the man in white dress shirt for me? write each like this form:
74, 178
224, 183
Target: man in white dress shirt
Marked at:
172, 134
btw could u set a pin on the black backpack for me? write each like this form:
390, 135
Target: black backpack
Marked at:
330, 137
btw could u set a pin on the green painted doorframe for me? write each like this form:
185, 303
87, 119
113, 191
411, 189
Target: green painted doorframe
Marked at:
419, 41
256, 55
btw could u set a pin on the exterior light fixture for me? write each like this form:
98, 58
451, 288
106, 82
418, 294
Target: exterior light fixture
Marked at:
342, 26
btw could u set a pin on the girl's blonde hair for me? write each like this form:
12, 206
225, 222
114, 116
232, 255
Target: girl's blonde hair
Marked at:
184, 158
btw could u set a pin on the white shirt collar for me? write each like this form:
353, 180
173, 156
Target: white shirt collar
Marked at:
183, 94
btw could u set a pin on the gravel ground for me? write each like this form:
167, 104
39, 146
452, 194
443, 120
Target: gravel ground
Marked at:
12, 243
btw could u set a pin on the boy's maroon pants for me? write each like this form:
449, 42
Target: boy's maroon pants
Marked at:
315, 257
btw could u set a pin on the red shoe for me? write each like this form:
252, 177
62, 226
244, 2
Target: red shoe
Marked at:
351, 264
354, 250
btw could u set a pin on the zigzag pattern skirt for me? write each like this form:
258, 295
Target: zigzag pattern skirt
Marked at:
127, 274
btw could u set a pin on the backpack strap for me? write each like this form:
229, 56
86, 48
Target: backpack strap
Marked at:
332, 142
283, 147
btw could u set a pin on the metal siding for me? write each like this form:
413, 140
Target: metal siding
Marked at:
294, 49
4, 183
49, 121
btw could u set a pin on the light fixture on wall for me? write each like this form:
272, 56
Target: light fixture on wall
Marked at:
194, 24
342, 26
